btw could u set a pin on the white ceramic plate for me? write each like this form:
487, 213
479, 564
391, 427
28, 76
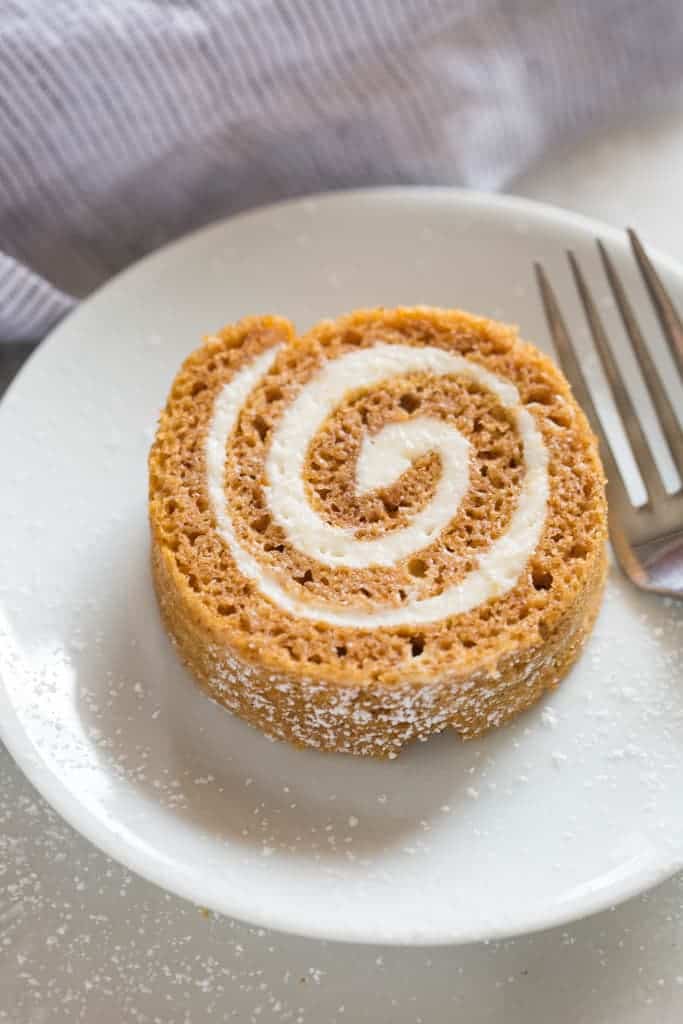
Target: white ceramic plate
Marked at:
572, 808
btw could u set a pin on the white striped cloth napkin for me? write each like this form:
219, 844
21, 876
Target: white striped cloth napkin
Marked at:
124, 123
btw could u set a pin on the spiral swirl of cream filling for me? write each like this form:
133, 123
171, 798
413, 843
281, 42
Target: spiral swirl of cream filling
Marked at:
382, 458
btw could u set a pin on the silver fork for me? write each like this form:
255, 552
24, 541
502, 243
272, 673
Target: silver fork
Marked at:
648, 540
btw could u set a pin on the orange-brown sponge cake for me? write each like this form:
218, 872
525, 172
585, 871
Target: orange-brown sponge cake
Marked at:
392, 524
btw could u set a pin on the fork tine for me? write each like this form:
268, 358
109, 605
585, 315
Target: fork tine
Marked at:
653, 381
664, 307
572, 369
629, 418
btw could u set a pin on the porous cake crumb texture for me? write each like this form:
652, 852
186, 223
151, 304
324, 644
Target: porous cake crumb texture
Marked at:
370, 690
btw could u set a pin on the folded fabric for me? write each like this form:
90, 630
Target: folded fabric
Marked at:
125, 123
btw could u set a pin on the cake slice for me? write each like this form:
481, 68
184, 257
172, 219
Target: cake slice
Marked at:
392, 524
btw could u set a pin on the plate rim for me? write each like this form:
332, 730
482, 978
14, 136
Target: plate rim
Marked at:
173, 879
474, 197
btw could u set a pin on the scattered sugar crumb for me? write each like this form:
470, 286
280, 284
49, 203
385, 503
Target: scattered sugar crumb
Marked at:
549, 718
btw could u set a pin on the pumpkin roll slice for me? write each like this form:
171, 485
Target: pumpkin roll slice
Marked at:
392, 524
